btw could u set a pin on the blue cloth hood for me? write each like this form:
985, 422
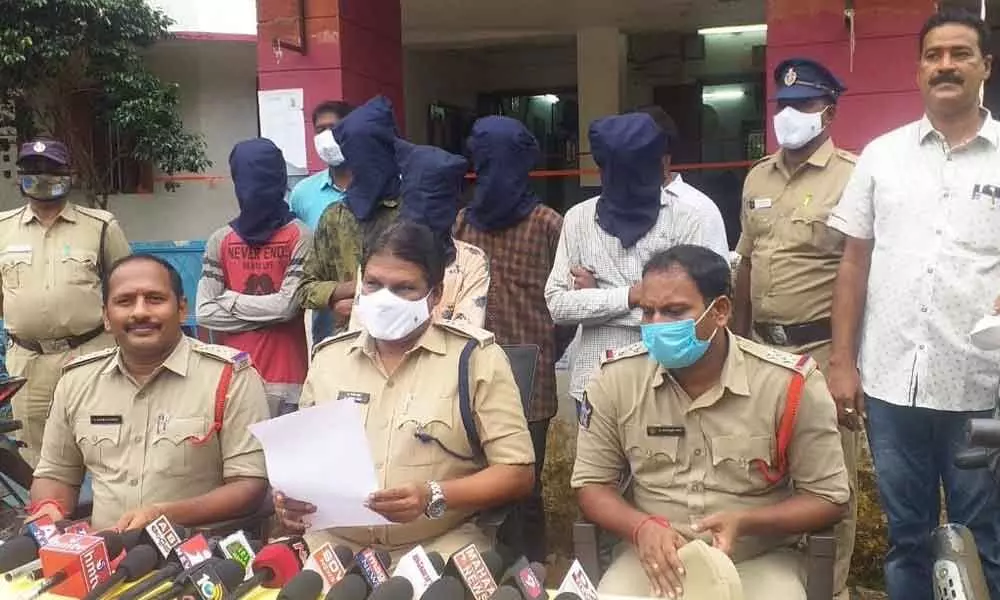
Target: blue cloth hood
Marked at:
367, 138
432, 185
261, 180
629, 150
503, 152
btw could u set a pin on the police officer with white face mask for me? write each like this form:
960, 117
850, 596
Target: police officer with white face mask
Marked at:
784, 287
437, 465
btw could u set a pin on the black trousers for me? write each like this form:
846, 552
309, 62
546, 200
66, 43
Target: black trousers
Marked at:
524, 530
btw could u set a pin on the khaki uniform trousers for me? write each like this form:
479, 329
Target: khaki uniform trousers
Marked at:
446, 544
31, 403
779, 574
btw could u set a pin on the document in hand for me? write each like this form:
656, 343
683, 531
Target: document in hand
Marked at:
320, 455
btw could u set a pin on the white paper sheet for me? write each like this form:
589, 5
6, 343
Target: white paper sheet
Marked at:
320, 455
282, 120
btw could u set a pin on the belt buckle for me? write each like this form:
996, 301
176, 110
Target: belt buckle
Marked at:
778, 335
54, 346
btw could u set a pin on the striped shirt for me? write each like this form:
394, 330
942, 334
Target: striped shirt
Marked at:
606, 321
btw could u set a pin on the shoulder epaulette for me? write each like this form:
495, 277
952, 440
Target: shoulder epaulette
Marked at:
90, 357
800, 363
239, 359
848, 156
468, 330
344, 335
95, 213
7, 214
762, 160
636, 349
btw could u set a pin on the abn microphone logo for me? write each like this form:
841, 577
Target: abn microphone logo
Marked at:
208, 589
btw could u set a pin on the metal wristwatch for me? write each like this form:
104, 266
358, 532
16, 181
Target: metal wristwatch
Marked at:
436, 506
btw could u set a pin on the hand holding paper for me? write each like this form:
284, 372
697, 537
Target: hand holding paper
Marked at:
320, 455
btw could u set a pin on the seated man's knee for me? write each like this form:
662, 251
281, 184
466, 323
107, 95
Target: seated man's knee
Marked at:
777, 574
708, 573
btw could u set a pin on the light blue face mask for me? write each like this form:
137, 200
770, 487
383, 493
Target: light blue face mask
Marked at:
675, 344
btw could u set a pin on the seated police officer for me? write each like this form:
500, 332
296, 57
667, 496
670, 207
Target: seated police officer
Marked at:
160, 422
726, 440
402, 368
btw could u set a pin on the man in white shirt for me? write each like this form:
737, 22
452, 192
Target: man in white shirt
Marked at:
712, 226
605, 241
921, 265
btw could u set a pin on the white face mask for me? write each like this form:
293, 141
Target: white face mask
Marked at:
328, 149
390, 318
795, 128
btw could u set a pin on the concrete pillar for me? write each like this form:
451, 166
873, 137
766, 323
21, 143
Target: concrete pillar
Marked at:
882, 92
601, 71
353, 51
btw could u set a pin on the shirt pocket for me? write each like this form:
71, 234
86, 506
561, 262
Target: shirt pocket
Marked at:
176, 452
14, 267
737, 460
80, 267
976, 225
809, 232
655, 456
98, 445
427, 435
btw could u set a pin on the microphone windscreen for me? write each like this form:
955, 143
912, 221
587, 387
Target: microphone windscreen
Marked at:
282, 562
344, 555
112, 543
132, 538
256, 545
396, 588
437, 561
307, 585
567, 596
230, 572
507, 593
445, 588
384, 558
495, 564
17, 551
139, 561
352, 587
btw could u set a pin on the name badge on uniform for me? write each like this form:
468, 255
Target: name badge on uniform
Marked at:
586, 411
665, 431
758, 203
991, 193
357, 397
19, 248
105, 419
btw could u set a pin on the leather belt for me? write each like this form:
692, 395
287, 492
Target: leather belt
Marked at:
58, 345
794, 335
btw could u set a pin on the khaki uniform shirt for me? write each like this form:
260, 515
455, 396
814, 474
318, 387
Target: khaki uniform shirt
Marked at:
422, 395
138, 442
794, 254
49, 278
690, 458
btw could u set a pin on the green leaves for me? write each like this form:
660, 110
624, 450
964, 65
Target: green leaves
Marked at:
59, 55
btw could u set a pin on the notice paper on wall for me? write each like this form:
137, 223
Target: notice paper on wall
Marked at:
282, 120
320, 455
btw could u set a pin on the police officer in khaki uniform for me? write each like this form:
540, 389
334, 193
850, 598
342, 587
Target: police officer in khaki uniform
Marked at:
784, 284
161, 422
52, 255
727, 440
402, 370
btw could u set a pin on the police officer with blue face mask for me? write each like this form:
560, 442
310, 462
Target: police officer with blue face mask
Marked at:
728, 441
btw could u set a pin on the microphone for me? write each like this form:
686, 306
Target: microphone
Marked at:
74, 565
577, 583
568, 596
331, 563
209, 580
507, 593
162, 535
373, 565
18, 551
416, 567
307, 585
194, 551
957, 570
10, 426
237, 547
445, 588
436, 561
527, 578
138, 562
983, 432
474, 572
156, 579
351, 587
394, 588
274, 566
43, 529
